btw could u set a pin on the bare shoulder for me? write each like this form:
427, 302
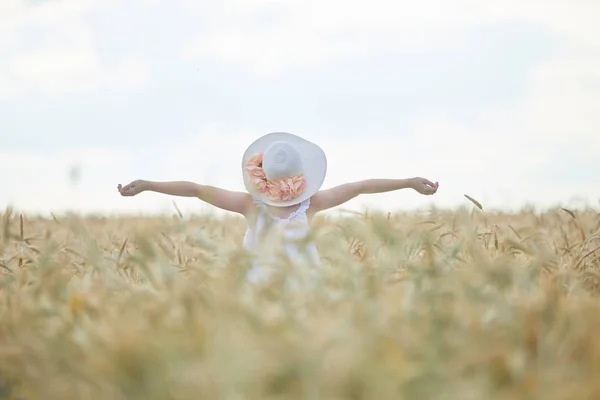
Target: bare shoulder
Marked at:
247, 204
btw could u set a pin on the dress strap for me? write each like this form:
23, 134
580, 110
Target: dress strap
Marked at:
259, 204
301, 209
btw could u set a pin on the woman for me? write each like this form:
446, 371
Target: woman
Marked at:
283, 174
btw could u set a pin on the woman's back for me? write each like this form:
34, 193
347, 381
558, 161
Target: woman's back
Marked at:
267, 235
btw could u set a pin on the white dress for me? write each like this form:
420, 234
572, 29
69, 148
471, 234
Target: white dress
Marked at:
270, 234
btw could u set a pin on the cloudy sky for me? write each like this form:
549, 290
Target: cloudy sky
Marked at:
497, 99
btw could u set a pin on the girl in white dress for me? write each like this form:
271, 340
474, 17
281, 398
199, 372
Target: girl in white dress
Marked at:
283, 174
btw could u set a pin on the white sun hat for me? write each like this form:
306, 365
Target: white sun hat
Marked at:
281, 169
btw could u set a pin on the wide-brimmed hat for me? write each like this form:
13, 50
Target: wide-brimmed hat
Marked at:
281, 169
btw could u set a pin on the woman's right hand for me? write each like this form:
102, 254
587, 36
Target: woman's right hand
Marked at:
133, 188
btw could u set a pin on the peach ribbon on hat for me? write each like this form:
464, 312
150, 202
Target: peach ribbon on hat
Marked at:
281, 189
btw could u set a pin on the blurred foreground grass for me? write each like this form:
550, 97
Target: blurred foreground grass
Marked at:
442, 305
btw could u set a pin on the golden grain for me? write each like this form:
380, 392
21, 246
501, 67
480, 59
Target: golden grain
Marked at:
499, 306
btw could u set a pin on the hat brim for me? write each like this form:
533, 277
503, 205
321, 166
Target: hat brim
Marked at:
313, 159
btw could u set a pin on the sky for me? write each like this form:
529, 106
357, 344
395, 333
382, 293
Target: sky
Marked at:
499, 100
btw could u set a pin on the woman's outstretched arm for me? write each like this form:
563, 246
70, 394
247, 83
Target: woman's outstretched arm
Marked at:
238, 202
338, 195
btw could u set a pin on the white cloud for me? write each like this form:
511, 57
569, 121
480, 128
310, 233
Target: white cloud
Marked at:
49, 48
573, 20
564, 99
266, 53
301, 34
73, 69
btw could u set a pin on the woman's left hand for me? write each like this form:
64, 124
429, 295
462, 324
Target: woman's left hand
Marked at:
424, 186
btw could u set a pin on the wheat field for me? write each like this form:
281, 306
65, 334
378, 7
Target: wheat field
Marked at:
460, 304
